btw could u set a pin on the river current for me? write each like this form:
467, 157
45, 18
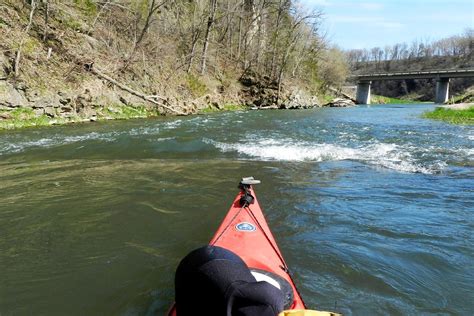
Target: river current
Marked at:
372, 207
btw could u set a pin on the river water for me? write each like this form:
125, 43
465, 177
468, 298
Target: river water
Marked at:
371, 206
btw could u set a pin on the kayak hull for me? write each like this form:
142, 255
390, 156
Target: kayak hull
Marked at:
245, 232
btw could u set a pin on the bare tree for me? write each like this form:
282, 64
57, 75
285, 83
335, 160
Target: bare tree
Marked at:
196, 31
282, 7
24, 37
210, 23
46, 19
294, 33
152, 6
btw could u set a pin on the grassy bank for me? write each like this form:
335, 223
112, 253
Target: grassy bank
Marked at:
378, 99
227, 107
465, 116
22, 117
25, 117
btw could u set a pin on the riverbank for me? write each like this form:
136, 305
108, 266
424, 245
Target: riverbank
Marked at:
26, 117
18, 110
62, 63
467, 97
455, 113
379, 99
21, 105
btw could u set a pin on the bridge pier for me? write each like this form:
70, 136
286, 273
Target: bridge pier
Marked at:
442, 81
442, 90
363, 92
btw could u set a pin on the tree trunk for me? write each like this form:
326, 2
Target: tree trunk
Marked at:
27, 30
46, 20
239, 47
148, 21
195, 34
98, 15
275, 39
251, 32
231, 30
191, 57
261, 42
210, 23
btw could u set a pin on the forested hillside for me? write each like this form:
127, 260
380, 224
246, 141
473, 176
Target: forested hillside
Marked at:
78, 57
455, 52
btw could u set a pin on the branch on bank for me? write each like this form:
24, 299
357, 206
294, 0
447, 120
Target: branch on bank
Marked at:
149, 98
345, 95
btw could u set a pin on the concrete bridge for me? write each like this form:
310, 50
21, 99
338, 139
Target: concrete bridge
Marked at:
442, 81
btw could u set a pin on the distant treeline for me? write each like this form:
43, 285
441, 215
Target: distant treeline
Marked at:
455, 52
454, 46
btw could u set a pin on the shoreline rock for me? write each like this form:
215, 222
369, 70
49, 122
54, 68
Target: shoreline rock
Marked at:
340, 103
97, 101
262, 93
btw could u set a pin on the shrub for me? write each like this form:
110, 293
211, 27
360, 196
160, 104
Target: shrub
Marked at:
196, 86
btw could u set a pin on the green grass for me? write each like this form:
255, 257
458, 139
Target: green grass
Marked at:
227, 107
123, 112
378, 99
196, 86
75, 25
88, 6
30, 45
452, 116
234, 107
327, 98
3, 23
23, 117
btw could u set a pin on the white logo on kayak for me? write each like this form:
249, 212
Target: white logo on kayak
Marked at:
245, 227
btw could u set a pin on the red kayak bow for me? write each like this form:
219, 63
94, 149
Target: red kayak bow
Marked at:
245, 232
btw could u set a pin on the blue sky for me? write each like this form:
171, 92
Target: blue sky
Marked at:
367, 24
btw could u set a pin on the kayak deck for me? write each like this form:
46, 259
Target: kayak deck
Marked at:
245, 232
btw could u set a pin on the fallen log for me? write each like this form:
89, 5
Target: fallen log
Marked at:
149, 98
345, 95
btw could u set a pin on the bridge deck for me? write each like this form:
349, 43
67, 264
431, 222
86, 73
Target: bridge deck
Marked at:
429, 74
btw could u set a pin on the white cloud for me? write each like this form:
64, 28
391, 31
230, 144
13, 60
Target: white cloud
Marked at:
371, 6
390, 25
322, 3
349, 19
370, 20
